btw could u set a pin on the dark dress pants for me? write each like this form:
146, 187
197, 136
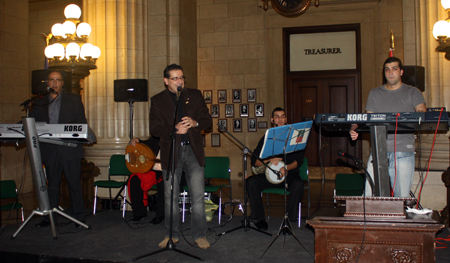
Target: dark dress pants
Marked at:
257, 183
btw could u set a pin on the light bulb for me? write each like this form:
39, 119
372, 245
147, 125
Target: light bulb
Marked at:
95, 52
86, 50
72, 11
72, 49
441, 29
49, 51
69, 27
445, 4
58, 50
58, 30
83, 29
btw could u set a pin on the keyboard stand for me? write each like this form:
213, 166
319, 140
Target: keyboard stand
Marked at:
40, 180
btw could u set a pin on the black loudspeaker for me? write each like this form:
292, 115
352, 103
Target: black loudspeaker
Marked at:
39, 81
128, 90
414, 76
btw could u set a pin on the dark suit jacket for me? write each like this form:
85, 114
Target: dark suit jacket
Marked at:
71, 111
161, 122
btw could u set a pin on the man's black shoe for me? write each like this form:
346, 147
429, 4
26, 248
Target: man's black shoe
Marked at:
157, 220
43, 223
136, 218
262, 224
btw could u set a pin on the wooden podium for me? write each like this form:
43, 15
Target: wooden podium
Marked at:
389, 236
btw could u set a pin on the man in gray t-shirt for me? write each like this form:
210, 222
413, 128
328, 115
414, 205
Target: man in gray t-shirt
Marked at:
395, 96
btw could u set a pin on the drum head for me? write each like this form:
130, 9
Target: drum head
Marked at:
271, 176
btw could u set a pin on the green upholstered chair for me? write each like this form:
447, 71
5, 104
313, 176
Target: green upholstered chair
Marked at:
350, 184
10, 200
117, 168
215, 168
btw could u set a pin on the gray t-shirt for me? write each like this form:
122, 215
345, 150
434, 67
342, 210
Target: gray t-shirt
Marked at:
403, 99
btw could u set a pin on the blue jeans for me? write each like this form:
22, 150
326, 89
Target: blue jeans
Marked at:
405, 173
195, 177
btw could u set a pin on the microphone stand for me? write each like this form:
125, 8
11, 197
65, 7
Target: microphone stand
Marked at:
359, 164
245, 223
170, 244
26, 104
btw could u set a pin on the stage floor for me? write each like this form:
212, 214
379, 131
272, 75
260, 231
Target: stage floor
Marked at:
113, 239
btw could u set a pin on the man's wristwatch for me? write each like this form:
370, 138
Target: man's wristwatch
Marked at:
196, 125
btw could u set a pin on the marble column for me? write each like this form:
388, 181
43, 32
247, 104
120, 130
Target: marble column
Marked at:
138, 39
437, 80
119, 29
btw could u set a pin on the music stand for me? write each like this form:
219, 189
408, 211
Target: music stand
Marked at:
282, 140
245, 223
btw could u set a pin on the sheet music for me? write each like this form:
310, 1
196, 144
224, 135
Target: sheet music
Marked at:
297, 135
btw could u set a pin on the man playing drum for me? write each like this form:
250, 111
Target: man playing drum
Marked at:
257, 183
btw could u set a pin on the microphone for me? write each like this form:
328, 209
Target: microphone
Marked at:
179, 90
341, 153
51, 90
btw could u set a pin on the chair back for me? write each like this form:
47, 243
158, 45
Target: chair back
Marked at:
217, 167
350, 184
8, 189
304, 169
118, 166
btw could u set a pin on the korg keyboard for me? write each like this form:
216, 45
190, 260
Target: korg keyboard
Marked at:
406, 121
80, 133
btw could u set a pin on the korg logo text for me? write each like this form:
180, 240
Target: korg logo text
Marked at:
73, 128
357, 117
34, 142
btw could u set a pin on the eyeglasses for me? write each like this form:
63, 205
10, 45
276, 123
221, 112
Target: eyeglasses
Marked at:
177, 78
55, 80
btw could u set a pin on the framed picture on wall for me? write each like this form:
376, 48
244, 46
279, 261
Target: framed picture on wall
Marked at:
215, 140
215, 110
251, 95
243, 110
222, 96
252, 124
237, 96
207, 95
259, 110
229, 110
237, 125
223, 123
262, 125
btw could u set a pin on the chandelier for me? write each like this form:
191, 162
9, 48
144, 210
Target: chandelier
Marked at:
67, 47
441, 31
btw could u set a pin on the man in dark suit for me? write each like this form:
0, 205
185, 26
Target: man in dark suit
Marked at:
60, 106
193, 117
